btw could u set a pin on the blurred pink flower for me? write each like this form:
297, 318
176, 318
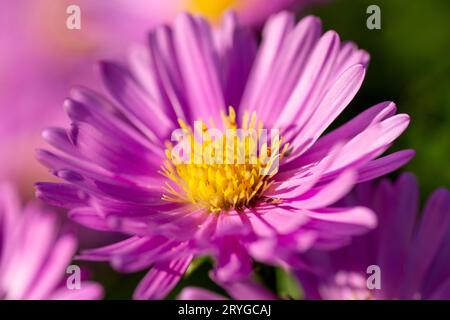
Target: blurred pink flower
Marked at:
33, 257
40, 60
410, 249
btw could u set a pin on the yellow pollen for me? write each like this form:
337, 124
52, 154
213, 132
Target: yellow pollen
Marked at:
211, 9
222, 171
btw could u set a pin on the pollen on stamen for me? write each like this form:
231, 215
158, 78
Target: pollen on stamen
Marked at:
225, 171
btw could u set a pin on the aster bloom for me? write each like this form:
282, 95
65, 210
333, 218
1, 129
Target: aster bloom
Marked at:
33, 257
120, 174
411, 252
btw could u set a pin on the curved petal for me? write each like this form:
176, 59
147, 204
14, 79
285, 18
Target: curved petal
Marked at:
137, 107
161, 279
323, 196
199, 68
193, 293
88, 291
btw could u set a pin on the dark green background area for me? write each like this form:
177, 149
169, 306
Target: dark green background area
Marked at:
410, 65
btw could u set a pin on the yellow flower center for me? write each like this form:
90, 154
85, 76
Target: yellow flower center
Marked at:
211, 9
220, 171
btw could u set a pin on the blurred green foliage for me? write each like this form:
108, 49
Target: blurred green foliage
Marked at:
288, 286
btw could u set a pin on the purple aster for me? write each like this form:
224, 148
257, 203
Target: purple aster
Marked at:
119, 174
33, 256
411, 251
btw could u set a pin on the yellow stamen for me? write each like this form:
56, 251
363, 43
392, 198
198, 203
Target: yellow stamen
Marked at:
211, 9
222, 172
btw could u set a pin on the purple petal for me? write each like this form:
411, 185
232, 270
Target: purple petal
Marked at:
199, 68
192, 293
161, 279
88, 291
139, 108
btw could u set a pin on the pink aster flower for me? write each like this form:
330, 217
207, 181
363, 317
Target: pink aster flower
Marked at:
411, 252
41, 59
120, 174
33, 257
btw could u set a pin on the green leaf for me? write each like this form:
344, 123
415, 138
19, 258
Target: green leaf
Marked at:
287, 285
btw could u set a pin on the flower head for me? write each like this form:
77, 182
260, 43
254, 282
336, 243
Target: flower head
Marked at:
409, 258
33, 257
123, 171
222, 172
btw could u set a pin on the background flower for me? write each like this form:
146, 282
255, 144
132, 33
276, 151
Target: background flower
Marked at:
41, 59
413, 257
33, 257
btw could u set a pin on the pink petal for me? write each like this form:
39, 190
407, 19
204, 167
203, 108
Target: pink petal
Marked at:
289, 65
432, 229
326, 195
274, 36
332, 104
88, 291
233, 261
198, 67
54, 268
162, 278
313, 81
384, 165
359, 216
349, 130
139, 108
248, 290
192, 293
